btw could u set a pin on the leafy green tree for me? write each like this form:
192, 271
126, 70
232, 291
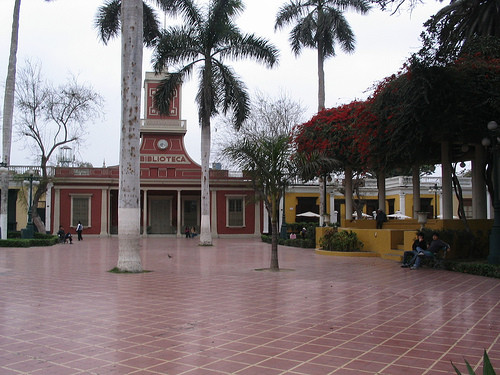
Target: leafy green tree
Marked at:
320, 25
208, 38
459, 23
108, 18
266, 159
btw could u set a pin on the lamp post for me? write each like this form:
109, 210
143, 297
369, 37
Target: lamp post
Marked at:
435, 189
283, 230
494, 142
29, 231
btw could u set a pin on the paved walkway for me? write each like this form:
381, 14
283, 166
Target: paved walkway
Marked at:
207, 311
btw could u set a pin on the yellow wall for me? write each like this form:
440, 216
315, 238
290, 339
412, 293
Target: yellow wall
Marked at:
291, 201
22, 208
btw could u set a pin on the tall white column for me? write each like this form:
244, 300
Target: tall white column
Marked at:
333, 215
145, 213
179, 212
479, 204
416, 190
214, 214
447, 198
104, 213
266, 220
257, 219
402, 202
57, 210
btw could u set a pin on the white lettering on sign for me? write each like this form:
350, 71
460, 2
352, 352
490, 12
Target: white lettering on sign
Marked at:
164, 159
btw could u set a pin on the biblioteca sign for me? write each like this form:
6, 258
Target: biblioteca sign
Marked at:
164, 159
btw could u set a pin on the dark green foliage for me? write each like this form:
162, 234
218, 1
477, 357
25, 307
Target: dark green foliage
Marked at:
39, 240
487, 367
14, 235
299, 242
480, 268
297, 227
464, 245
340, 241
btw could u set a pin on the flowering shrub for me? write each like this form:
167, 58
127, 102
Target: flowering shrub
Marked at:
340, 241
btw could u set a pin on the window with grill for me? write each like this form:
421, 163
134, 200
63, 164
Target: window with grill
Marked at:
80, 211
236, 212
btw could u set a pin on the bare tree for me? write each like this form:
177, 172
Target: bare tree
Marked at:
267, 116
49, 117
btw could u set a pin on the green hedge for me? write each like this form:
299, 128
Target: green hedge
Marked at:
39, 240
299, 242
480, 268
464, 245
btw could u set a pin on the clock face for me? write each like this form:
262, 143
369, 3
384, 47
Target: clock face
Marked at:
162, 144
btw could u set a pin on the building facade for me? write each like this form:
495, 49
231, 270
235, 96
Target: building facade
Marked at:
170, 186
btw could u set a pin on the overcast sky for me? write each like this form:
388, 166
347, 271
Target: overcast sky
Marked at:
60, 34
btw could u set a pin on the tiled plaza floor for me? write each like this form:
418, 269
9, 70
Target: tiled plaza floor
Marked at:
207, 311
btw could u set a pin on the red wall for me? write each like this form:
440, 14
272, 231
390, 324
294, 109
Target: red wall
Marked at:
249, 213
95, 210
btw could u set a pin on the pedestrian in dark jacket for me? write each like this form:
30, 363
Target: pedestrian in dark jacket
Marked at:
419, 245
381, 218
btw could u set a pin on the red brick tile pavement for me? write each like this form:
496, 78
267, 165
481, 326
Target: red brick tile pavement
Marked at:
207, 311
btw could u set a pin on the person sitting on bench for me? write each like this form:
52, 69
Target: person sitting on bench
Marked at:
435, 246
61, 234
419, 245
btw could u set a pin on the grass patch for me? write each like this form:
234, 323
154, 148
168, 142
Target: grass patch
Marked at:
278, 270
117, 270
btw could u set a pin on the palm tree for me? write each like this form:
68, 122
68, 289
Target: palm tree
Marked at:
208, 38
108, 22
460, 22
266, 159
138, 25
320, 24
129, 208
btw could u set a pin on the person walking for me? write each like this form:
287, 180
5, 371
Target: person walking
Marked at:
79, 229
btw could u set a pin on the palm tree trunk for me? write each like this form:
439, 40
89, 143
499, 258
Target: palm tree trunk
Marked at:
129, 259
381, 190
321, 106
321, 78
416, 189
205, 232
8, 110
274, 266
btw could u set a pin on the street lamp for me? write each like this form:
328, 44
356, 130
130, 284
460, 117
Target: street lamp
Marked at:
29, 231
435, 189
494, 142
283, 232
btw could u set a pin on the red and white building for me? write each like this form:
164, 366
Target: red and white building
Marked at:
170, 186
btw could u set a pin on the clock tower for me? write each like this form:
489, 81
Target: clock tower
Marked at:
162, 136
